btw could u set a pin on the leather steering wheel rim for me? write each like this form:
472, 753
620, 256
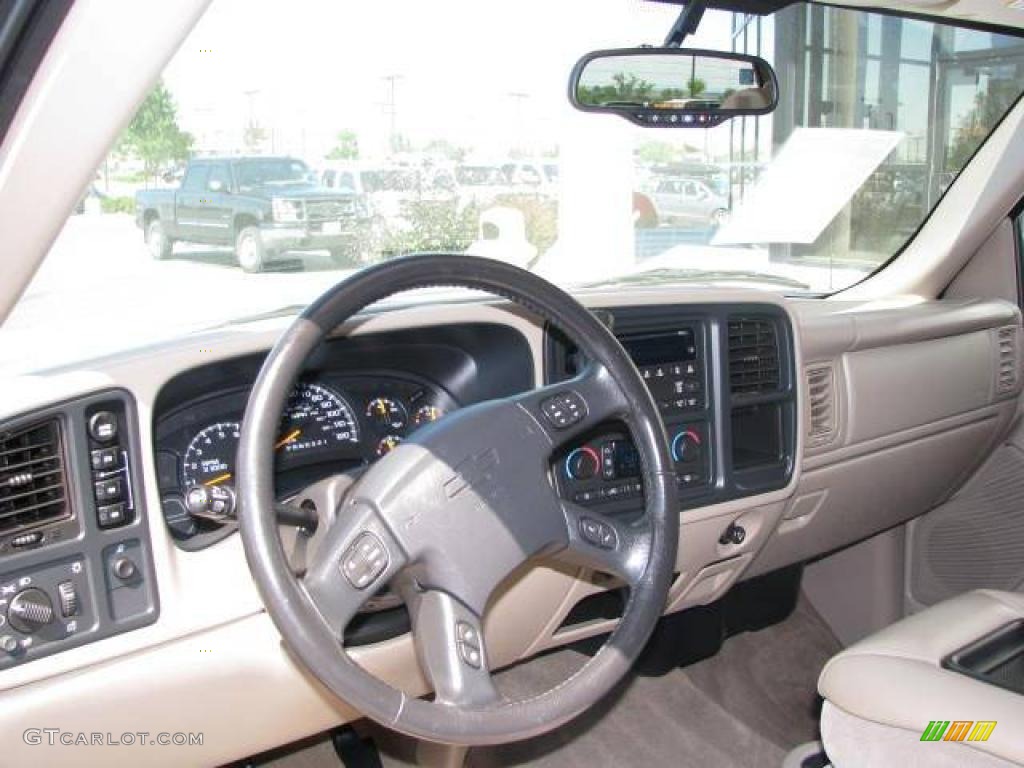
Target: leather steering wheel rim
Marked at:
310, 613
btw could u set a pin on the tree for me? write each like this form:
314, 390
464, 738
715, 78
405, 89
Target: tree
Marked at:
346, 147
154, 135
624, 88
653, 152
989, 107
446, 149
697, 87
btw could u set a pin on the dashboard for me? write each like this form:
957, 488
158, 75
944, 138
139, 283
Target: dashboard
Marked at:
796, 428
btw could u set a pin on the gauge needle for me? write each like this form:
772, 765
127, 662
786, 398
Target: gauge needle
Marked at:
290, 437
218, 479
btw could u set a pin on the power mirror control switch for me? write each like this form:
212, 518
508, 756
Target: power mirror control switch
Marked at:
124, 568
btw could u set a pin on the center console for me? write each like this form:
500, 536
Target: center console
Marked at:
722, 378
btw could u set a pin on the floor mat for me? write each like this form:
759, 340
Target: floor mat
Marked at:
744, 708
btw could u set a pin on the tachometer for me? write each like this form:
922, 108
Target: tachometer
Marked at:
210, 456
316, 417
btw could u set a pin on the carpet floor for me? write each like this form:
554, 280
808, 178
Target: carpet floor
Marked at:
745, 708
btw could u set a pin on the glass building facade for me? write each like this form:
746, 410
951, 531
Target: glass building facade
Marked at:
942, 88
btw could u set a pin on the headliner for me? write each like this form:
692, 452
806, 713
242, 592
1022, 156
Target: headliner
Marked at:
1003, 15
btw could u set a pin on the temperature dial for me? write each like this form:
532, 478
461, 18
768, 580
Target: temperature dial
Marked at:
686, 446
426, 414
582, 464
387, 413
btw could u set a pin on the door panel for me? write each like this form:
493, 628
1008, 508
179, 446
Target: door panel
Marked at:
976, 539
214, 214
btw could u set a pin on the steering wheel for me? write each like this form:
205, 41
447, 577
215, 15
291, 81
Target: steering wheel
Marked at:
454, 510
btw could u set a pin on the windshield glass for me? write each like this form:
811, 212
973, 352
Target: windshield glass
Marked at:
264, 166
257, 173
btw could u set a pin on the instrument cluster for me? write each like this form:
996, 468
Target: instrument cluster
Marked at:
330, 424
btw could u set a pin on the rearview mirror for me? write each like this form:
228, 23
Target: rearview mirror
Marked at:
673, 87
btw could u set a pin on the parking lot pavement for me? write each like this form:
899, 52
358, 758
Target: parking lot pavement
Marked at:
99, 291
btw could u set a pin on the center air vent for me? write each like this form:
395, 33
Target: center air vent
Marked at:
821, 420
753, 356
33, 488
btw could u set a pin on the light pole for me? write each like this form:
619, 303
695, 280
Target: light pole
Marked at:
391, 106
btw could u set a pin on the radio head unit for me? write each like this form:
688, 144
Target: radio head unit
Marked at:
671, 365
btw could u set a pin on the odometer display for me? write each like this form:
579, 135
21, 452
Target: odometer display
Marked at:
316, 418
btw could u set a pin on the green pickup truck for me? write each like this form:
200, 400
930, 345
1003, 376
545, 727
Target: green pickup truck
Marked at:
262, 206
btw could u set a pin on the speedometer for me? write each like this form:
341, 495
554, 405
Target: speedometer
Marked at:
316, 417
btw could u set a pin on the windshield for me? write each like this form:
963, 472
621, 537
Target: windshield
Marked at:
256, 173
449, 137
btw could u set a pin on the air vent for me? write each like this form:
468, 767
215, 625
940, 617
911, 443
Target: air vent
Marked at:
33, 488
821, 398
1006, 377
753, 356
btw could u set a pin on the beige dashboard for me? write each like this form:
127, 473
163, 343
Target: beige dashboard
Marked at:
898, 403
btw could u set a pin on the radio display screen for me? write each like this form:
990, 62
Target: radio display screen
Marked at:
662, 348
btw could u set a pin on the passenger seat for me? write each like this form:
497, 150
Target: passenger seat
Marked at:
927, 690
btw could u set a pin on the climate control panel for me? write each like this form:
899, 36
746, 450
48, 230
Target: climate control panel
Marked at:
606, 469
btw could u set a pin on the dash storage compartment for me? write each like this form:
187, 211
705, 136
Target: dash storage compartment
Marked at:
997, 658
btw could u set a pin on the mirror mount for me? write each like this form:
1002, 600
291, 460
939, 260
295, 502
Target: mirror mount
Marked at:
686, 24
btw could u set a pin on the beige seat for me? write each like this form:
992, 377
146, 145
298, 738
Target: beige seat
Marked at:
881, 693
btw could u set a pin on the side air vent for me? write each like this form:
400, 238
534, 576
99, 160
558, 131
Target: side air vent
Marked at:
821, 398
753, 356
33, 486
1006, 376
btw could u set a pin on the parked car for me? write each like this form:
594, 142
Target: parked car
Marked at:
480, 184
688, 202
540, 178
388, 194
261, 205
